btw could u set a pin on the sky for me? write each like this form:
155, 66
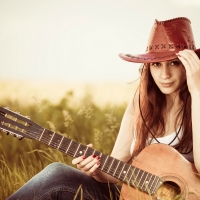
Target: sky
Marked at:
79, 40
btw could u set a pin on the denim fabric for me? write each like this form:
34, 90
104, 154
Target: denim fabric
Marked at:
62, 182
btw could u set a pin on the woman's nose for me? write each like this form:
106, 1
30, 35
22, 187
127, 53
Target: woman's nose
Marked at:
165, 72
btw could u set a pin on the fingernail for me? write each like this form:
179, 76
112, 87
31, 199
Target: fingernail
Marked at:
98, 157
83, 157
98, 163
94, 156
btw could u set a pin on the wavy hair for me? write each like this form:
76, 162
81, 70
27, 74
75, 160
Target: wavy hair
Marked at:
149, 114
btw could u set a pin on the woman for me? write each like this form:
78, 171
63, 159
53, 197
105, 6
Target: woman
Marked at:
165, 109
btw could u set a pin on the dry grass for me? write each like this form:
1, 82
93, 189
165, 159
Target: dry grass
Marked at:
68, 109
58, 106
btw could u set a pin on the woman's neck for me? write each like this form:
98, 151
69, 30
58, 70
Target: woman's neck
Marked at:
170, 113
172, 102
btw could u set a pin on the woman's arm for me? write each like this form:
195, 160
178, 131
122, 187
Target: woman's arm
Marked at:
192, 66
121, 149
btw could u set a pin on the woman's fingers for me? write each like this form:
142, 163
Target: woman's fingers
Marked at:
77, 160
90, 145
87, 165
191, 63
190, 60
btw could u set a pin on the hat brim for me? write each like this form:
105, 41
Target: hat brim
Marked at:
152, 56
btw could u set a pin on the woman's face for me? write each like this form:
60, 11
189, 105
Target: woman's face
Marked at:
169, 76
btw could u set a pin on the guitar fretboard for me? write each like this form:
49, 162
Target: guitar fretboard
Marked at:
23, 126
127, 173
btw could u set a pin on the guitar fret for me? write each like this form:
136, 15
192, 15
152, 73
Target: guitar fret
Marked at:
156, 186
121, 170
104, 163
149, 187
125, 169
145, 184
86, 150
131, 174
51, 138
118, 171
111, 165
64, 145
139, 181
116, 168
76, 150
55, 140
130, 177
140, 173
127, 173
135, 176
73, 148
100, 155
152, 185
60, 142
94, 152
46, 136
42, 134
68, 147
81, 151
111, 168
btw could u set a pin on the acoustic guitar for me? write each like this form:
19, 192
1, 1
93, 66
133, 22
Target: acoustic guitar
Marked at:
158, 172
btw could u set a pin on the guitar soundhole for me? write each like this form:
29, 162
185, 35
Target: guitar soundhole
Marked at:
168, 191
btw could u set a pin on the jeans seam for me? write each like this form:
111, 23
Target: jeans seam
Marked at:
85, 196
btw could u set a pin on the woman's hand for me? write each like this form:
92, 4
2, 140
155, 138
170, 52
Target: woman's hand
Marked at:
191, 63
87, 165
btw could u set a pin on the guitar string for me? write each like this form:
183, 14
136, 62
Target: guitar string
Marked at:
61, 146
45, 140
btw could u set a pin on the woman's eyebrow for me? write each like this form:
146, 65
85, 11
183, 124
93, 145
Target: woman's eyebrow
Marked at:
176, 59
154, 63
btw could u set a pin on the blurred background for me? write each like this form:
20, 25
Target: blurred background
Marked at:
59, 64
49, 47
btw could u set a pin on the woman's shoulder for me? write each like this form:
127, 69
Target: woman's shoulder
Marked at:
132, 104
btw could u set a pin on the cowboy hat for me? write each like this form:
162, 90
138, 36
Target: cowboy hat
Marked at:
166, 39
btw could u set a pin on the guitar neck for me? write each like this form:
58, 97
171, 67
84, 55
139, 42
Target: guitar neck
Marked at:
112, 166
21, 126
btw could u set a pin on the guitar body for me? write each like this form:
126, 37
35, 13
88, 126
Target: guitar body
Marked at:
165, 162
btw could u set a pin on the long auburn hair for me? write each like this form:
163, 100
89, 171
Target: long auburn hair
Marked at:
149, 114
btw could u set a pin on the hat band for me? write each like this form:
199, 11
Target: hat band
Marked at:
170, 47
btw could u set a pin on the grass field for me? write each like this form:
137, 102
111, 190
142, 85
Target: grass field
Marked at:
87, 113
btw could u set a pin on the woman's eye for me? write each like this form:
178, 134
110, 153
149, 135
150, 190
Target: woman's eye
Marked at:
156, 64
175, 63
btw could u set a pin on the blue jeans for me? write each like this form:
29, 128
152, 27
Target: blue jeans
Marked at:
62, 182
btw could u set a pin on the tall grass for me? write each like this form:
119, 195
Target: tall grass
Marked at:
85, 122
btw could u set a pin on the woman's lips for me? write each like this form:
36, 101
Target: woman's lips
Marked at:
167, 84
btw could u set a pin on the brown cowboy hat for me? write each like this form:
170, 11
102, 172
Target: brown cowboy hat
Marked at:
166, 39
